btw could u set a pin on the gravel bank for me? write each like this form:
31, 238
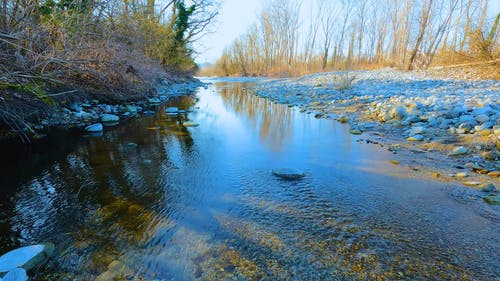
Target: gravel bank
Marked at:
457, 120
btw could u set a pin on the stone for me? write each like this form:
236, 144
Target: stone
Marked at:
355, 131
130, 109
488, 155
172, 110
487, 187
190, 124
25, 257
94, 128
16, 274
416, 138
485, 126
482, 118
468, 119
471, 183
492, 199
459, 151
399, 113
288, 173
132, 144
154, 101
461, 175
343, 119
107, 118
75, 107
417, 130
494, 174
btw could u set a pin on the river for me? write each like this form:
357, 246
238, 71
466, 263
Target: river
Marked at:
152, 199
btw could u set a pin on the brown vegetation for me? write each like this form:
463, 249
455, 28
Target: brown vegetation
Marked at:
114, 49
365, 34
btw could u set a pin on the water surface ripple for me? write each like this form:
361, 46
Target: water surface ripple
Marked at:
200, 203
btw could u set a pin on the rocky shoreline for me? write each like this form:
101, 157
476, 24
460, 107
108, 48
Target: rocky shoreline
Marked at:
416, 114
91, 116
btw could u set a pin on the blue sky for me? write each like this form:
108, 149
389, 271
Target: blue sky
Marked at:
235, 18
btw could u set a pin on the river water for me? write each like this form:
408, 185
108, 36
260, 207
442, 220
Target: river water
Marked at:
201, 203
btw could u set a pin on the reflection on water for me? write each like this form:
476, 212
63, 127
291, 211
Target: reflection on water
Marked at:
154, 200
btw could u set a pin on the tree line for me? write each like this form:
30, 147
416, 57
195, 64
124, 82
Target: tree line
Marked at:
346, 34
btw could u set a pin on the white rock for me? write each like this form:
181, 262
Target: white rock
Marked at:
459, 150
17, 274
26, 257
94, 128
172, 110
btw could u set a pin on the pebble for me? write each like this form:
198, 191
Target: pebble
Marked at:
415, 138
494, 174
471, 183
487, 187
94, 128
492, 199
190, 124
459, 151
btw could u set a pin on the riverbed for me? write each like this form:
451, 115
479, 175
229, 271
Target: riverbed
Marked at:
152, 199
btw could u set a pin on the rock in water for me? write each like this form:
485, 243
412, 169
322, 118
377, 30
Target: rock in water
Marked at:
459, 151
172, 110
106, 118
154, 101
17, 274
94, 128
487, 187
26, 257
492, 199
288, 173
416, 138
190, 124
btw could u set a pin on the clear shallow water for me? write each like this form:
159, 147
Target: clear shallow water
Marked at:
201, 203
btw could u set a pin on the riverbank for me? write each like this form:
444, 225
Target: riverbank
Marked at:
80, 111
447, 128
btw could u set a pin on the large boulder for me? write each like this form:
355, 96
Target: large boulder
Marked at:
26, 257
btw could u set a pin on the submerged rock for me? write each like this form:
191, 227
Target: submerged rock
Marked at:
492, 199
288, 173
94, 128
190, 124
487, 187
26, 257
355, 131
